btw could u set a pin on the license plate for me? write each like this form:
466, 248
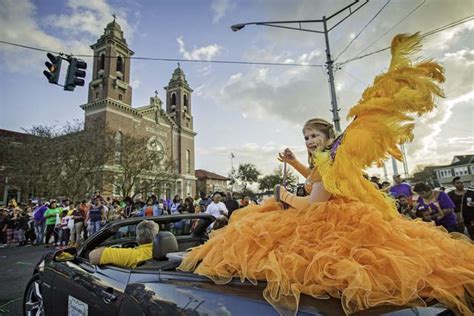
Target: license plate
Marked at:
76, 307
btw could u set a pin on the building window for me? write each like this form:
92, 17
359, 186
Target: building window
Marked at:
120, 64
188, 188
120, 97
188, 161
185, 100
445, 173
102, 62
472, 169
173, 99
118, 147
97, 95
461, 171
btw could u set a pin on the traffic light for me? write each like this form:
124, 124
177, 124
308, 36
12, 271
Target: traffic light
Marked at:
75, 74
54, 68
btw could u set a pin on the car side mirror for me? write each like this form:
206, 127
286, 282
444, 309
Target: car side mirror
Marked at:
67, 254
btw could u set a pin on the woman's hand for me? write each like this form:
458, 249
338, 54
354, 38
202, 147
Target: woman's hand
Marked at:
286, 156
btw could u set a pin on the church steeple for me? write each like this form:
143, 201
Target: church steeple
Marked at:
178, 99
111, 70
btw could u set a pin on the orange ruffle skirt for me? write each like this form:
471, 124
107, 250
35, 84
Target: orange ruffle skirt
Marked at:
344, 249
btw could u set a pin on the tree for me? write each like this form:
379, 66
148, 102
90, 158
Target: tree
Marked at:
268, 182
26, 160
81, 156
140, 168
425, 174
166, 174
247, 174
57, 160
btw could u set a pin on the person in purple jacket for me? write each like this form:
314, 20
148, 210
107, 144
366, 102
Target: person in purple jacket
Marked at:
400, 187
439, 204
38, 215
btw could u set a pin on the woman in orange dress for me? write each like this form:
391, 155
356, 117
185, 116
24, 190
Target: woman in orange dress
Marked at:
346, 239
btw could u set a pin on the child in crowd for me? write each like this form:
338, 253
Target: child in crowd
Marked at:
64, 230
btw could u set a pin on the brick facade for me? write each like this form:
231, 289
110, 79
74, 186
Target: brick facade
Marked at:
109, 106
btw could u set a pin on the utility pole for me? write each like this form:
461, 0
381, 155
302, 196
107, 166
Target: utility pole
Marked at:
332, 88
296, 25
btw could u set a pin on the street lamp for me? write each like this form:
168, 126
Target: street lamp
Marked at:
297, 25
238, 27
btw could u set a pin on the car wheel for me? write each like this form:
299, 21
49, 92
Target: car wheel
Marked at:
33, 300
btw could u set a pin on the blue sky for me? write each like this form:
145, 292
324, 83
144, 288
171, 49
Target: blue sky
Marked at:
253, 111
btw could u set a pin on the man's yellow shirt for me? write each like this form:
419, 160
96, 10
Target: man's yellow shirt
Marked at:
127, 257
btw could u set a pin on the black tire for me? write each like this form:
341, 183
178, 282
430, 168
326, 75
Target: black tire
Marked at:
33, 303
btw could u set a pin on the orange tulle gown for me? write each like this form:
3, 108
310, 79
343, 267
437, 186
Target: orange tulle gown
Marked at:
355, 246
340, 248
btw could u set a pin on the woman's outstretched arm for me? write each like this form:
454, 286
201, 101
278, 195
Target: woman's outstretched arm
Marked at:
288, 156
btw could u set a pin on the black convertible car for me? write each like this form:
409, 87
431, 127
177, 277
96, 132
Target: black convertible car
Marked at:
66, 283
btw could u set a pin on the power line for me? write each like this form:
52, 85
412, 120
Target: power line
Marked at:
364, 84
394, 26
429, 33
169, 59
350, 43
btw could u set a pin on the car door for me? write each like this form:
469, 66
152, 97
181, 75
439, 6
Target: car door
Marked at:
81, 288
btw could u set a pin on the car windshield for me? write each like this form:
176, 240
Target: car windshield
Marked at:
127, 233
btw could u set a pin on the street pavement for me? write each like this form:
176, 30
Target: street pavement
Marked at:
16, 268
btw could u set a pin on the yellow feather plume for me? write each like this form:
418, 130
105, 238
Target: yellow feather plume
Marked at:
381, 122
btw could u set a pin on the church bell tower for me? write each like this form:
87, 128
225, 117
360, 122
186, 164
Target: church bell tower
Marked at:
111, 70
178, 99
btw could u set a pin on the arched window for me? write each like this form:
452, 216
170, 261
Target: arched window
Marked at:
173, 99
102, 62
185, 101
120, 64
188, 161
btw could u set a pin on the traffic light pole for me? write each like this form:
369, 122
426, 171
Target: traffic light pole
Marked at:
329, 62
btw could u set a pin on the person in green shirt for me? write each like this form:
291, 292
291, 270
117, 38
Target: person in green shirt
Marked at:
50, 215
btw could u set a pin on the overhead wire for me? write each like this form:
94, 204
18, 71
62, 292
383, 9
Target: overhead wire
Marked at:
360, 32
166, 59
429, 33
393, 26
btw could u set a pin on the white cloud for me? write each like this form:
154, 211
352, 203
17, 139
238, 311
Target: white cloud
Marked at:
18, 25
135, 83
292, 94
81, 26
430, 127
200, 53
469, 140
220, 8
89, 17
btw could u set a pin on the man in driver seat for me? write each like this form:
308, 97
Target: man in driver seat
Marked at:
129, 257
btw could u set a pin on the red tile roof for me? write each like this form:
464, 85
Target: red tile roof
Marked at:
12, 134
200, 173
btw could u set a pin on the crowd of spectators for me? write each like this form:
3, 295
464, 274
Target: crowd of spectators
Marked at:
59, 223
62, 223
454, 210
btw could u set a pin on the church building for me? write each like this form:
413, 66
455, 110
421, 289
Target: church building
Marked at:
168, 126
